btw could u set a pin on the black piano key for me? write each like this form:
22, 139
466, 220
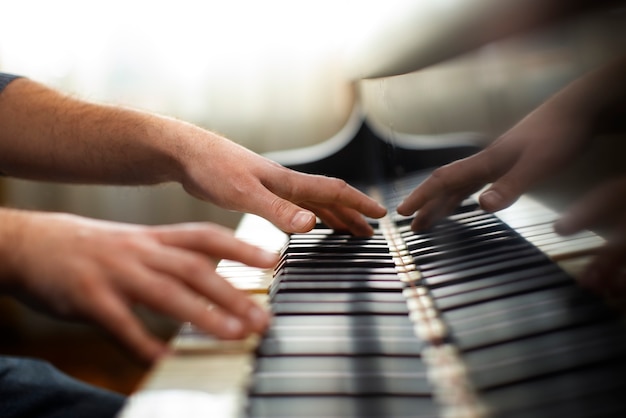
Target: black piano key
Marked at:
347, 286
456, 238
434, 251
355, 263
498, 287
588, 392
343, 248
438, 254
547, 354
521, 321
335, 270
479, 260
459, 233
526, 262
509, 247
320, 254
478, 219
340, 375
342, 406
310, 276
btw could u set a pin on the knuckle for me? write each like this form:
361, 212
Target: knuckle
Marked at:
197, 268
280, 207
164, 292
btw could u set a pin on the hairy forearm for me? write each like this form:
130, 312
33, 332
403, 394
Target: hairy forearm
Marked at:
47, 135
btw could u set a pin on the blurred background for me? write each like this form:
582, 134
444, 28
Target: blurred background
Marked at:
277, 75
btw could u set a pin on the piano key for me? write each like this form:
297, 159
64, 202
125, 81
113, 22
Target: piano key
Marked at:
357, 263
479, 256
347, 346
339, 297
439, 254
333, 375
543, 355
338, 321
352, 286
338, 271
310, 277
343, 248
342, 406
329, 331
523, 322
358, 307
498, 287
525, 262
466, 247
488, 258
593, 391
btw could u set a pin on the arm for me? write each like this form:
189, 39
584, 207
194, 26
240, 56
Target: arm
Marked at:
51, 136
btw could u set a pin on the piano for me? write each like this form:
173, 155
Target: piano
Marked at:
481, 316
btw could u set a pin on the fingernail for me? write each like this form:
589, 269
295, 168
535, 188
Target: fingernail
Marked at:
233, 326
302, 220
490, 200
258, 317
268, 257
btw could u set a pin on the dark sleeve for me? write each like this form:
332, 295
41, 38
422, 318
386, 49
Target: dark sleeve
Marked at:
5, 79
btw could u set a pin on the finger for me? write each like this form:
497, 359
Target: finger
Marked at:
602, 206
171, 297
507, 189
287, 216
320, 189
467, 175
342, 218
198, 275
605, 273
433, 211
111, 313
216, 242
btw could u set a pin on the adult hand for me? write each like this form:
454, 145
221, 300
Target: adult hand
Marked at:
97, 270
604, 207
539, 145
236, 178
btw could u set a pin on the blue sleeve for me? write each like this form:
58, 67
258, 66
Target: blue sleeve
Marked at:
5, 79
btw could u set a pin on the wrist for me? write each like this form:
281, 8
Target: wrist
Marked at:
14, 225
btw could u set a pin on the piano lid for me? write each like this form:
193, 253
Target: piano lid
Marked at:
424, 33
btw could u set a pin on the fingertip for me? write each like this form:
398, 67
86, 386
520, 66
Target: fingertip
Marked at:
379, 211
564, 226
492, 200
267, 259
302, 221
259, 318
404, 210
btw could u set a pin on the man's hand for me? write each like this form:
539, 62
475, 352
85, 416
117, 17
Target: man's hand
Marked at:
96, 270
236, 178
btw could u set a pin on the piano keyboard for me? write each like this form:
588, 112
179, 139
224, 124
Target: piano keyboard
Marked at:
477, 317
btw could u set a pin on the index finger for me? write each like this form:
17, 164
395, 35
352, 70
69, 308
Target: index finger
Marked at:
321, 189
215, 241
467, 175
